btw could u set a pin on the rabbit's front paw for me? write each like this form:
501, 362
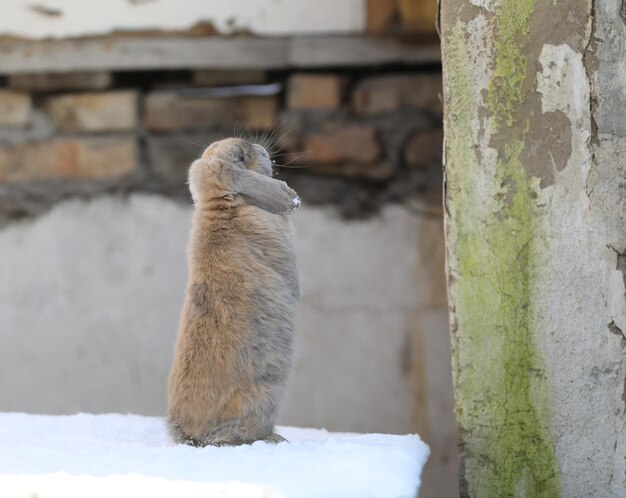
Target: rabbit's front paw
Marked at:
295, 203
289, 198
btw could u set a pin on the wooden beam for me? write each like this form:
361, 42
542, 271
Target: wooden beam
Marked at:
169, 52
359, 51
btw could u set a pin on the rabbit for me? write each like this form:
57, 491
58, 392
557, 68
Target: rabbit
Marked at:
234, 348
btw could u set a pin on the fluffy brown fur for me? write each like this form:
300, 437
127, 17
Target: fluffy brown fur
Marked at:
234, 347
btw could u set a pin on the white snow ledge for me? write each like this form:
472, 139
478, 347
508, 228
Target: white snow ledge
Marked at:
132, 456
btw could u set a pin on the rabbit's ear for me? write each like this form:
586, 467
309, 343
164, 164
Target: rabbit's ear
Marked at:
267, 193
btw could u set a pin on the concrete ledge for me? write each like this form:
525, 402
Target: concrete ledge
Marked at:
175, 52
130, 456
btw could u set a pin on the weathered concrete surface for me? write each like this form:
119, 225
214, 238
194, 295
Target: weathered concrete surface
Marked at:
65, 18
89, 302
535, 200
91, 292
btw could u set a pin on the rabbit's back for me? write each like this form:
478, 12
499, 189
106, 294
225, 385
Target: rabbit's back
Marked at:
234, 350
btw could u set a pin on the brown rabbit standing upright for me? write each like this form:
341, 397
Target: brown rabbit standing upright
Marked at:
234, 347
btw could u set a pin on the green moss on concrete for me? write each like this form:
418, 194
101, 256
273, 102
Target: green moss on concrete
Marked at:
506, 93
495, 240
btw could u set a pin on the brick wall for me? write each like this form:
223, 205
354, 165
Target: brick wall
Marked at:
355, 139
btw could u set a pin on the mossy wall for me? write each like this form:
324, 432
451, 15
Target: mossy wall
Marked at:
505, 147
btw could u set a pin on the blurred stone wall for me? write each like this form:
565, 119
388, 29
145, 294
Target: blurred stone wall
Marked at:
358, 140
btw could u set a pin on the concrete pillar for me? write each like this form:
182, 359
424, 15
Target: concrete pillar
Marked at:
535, 161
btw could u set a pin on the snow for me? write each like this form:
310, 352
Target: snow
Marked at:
129, 456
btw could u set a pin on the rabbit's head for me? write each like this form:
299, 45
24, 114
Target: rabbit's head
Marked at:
239, 151
233, 167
